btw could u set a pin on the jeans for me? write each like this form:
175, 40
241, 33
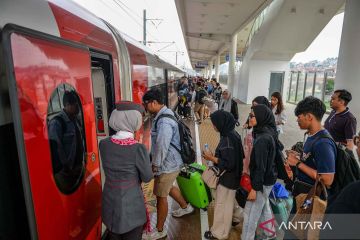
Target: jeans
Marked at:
255, 211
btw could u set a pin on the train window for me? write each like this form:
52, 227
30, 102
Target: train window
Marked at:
66, 137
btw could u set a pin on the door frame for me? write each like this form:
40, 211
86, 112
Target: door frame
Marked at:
16, 113
282, 81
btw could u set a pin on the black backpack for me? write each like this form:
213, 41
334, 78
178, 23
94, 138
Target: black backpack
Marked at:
346, 167
187, 151
200, 95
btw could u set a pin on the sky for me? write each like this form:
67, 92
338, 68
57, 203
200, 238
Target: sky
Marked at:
326, 44
127, 16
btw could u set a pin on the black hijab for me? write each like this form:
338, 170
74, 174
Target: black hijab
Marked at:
225, 124
223, 121
265, 120
262, 100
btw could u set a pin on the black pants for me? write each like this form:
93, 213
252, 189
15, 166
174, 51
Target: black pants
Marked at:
135, 234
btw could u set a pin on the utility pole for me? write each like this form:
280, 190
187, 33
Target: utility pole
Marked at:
144, 27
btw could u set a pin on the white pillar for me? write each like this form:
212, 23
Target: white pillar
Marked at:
211, 63
348, 70
217, 66
231, 72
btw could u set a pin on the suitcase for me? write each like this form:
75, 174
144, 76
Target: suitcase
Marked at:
192, 186
281, 208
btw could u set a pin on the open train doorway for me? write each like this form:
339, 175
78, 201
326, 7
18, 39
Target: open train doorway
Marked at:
104, 94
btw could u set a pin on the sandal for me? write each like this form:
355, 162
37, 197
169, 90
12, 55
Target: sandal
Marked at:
208, 235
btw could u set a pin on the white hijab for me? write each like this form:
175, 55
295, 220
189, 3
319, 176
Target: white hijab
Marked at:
226, 104
125, 123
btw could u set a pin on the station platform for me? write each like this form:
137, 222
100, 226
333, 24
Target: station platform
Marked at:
193, 226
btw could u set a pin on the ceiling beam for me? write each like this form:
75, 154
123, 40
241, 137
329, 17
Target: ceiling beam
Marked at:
210, 36
195, 59
205, 52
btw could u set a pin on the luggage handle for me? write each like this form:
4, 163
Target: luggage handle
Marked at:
196, 169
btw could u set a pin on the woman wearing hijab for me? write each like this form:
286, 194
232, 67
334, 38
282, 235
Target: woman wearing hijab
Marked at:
256, 101
228, 104
229, 158
126, 164
261, 100
263, 172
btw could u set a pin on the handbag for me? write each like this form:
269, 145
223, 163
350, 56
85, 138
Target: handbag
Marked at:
242, 192
245, 182
241, 196
310, 209
211, 176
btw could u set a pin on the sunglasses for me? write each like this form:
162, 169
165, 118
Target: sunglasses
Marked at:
251, 115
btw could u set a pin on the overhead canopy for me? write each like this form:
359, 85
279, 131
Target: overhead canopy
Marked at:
208, 25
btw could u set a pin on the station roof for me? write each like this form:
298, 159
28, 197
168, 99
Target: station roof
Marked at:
208, 25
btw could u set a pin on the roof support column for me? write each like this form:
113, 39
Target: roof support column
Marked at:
211, 63
217, 66
206, 71
348, 71
231, 72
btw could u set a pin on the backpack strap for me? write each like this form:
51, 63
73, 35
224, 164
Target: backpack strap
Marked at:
166, 115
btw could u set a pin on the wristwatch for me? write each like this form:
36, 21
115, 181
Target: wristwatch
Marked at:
298, 163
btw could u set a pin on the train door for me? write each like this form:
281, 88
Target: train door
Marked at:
52, 108
103, 86
13, 218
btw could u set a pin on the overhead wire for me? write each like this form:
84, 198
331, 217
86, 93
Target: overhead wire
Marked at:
132, 11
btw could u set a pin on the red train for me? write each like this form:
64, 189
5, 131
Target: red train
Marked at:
48, 47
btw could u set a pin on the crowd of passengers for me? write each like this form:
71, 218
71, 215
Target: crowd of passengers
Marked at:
127, 163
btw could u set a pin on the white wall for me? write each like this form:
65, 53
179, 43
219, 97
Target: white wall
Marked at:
259, 77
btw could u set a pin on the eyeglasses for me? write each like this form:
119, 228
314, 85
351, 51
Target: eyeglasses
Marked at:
145, 103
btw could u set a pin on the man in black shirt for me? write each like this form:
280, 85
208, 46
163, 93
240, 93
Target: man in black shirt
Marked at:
341, 123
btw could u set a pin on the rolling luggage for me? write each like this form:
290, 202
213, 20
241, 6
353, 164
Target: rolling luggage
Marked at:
192, 186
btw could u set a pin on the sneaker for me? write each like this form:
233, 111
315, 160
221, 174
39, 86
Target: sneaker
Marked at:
183, 211
154, 234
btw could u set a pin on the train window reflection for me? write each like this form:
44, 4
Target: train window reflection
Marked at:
66, 138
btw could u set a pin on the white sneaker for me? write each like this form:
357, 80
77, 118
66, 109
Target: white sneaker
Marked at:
183, 211
154, 234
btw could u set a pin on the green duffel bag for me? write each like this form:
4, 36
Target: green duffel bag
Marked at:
281, 208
